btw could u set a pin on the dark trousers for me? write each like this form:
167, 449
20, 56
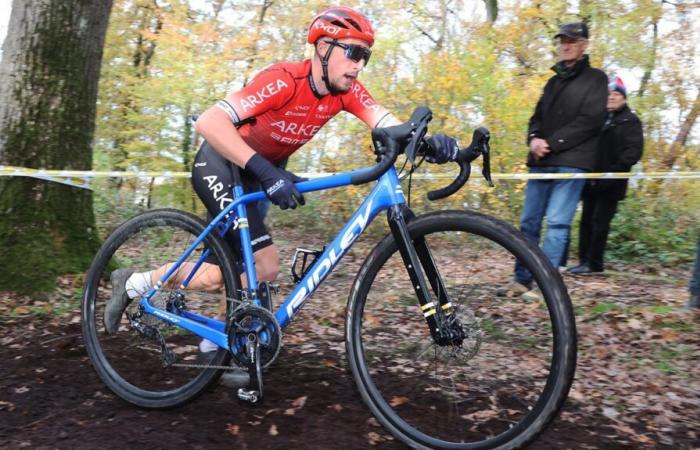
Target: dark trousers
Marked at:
695, 279
598, 212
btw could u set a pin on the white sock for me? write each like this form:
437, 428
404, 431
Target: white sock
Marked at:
207, 346
138, 283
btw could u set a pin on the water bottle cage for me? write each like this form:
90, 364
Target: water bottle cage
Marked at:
306, 265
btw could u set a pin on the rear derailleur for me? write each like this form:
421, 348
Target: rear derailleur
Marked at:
151, 332
146, 325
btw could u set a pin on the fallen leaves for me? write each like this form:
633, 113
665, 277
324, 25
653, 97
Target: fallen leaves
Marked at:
300, 402
297, 405
610, 413
398, 401
374, 439
9, 406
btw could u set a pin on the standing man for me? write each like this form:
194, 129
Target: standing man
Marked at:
621, 146
693, 302
562, 138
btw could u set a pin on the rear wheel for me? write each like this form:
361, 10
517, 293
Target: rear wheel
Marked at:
505, 381
129, 362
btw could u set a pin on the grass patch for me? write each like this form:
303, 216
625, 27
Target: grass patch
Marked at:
661, 310
676, 325
670, 357
602, 308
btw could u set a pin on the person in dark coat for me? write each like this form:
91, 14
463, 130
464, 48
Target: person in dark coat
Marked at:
693, 302
563, 138
621, 145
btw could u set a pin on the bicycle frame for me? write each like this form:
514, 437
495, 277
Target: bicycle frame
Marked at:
386, 193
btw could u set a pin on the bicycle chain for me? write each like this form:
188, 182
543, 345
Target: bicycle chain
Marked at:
152, 332
205, 366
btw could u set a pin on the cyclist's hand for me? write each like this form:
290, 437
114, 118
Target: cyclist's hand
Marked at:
277, 183
442, 149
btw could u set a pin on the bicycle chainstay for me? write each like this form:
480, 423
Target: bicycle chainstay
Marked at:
175, 302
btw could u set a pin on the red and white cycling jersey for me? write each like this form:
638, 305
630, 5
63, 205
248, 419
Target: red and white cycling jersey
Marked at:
287, 111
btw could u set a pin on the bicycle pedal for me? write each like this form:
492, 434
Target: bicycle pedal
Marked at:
248, 395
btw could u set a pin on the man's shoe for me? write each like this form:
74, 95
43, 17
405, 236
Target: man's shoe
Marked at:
583, 269
533, 295
512, 290
119, 300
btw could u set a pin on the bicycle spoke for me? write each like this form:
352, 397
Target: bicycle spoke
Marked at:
144, 360
479, 387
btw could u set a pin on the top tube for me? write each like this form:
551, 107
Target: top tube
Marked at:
317, 184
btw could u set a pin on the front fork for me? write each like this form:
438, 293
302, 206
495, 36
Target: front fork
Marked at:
416, 254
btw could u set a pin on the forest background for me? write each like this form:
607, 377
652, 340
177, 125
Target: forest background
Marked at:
472, 62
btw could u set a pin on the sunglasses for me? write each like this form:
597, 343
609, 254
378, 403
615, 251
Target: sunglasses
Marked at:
354, 52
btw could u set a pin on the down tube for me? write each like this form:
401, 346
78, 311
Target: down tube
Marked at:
386, 193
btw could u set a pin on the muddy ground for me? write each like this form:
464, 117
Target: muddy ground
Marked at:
637, 383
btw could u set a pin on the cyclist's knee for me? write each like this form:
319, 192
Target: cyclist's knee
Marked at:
267, 263
268, 273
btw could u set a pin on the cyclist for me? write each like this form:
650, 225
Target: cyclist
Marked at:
258, 127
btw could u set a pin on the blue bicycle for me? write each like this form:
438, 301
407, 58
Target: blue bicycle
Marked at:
437, 356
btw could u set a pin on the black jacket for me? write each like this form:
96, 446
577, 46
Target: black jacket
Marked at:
621, 146
569, 116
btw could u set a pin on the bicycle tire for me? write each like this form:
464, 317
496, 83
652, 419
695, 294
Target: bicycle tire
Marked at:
127, 375
379, 366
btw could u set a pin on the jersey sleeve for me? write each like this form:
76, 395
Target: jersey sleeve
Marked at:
268, 90
360, 103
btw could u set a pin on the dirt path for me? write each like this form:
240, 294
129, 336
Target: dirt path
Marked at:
51, 398
637, 383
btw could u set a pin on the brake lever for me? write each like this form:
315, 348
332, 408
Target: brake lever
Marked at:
486, 170
481, 147
478, 147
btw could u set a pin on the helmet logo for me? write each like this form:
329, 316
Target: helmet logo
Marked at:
328, 28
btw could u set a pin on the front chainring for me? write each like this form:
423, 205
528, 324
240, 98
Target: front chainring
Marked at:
250, 319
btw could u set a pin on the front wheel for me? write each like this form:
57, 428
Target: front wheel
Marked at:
502, 383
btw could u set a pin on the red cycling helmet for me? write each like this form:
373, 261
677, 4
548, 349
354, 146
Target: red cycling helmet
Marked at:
339, 23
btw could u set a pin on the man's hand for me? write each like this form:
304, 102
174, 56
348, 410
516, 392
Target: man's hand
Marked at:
539, 148
444, 149
277, 183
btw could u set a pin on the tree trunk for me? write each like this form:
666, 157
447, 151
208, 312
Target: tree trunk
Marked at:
676, 148
651, 62
491, 10
266, 4
48, 92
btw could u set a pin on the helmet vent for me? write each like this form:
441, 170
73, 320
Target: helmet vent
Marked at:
354, 24
338, 23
